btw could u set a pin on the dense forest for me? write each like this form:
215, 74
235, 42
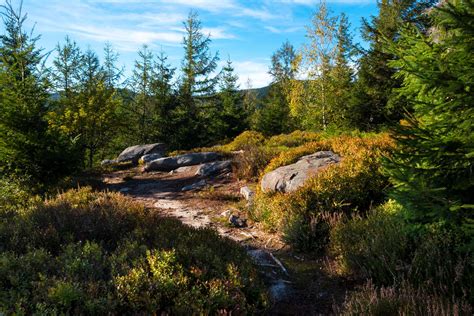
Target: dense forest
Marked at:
395, 215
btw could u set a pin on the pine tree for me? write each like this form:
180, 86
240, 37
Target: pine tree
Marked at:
433, 166
373, 103
273, 116
232, 114
143, 102
164, 97
66, 67
27, 146
112, 73
342, 75
197, 87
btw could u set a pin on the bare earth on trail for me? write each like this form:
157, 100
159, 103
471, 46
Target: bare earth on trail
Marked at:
298, 285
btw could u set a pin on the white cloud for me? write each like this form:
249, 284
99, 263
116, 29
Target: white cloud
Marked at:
123, 39
282, 31
257, 72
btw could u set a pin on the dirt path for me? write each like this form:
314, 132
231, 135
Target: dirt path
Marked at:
298, 285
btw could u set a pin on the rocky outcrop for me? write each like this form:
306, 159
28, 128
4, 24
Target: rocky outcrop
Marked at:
134, 153
171, 163
108, 162
195, 186
291, 177
150, 157
213, 168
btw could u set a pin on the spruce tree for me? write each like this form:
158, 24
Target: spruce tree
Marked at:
433, 166
273, 117
232, 114
27, 146
373, 103
164, 98
143, 102
197, 101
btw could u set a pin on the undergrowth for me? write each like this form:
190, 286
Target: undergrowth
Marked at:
87, 252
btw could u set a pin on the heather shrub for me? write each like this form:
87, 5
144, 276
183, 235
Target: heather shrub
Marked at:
376, 246
294, 139
87, 252
387, 249
354, 185
402, 299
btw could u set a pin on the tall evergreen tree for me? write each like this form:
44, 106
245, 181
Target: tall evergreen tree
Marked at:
273, 117
164, 98
143, 102
433, 166
341, 74
232, 113
66, 68
27, 146
112, 73
373, 103
197, 86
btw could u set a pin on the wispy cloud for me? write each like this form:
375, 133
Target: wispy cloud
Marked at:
257, 72
283, 30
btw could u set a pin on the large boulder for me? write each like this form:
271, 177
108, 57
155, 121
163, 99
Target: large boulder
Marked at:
171, 163
291, 177
213, 168
134, 153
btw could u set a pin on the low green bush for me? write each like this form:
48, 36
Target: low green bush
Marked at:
387, 249
87, 252
376, 246
402, 299
354, 185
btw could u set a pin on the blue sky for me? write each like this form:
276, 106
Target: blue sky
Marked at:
247, 31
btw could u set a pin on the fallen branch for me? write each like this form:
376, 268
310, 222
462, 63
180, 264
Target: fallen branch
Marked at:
279, 263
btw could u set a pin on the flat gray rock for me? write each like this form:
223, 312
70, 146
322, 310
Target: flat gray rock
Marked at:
171, 163
195, 186
150, 157
134, 153
213, 168
291, 177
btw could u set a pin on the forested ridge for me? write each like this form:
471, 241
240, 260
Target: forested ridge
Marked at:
386, 130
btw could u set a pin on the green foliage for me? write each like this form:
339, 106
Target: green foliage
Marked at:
231, 116
355, 184
401, 300
432, 168
374, 246
273, 117
320, 100
373, 103
93, 253
385, 248
27, 146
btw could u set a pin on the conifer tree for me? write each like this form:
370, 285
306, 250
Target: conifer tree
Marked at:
373, 103
27, 146
66, 68
197, 102
112, 73
341, 74
164, 98
433, 166
232, 114
273, 117
142, 81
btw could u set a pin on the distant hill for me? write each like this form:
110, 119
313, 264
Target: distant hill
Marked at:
259, 92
